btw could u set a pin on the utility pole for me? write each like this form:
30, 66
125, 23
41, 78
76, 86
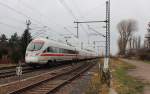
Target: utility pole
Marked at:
77, 29
94, 44
147, 37
108, 28
104, 69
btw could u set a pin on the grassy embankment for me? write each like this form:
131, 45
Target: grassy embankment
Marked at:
148, 62
122, 82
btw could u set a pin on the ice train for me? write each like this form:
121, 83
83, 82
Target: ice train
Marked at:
46, 51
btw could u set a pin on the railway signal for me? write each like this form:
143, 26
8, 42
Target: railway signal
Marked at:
19, 70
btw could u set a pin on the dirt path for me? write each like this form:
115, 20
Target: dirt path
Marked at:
142, 72
112, 91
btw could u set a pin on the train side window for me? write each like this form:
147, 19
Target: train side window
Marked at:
70, 52
61, 50
66, 51
46, 50
50, 49
76, 52
57, 50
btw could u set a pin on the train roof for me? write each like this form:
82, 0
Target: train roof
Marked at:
55, 43
63, 45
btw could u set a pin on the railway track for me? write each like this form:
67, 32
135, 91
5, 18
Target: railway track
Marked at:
26, 69
51, 85
12, 72
46, 83
11, 67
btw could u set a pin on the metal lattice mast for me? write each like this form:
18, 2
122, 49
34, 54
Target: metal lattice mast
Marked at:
107, 51
147, 36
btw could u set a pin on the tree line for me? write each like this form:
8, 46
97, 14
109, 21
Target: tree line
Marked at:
128, 43
14, 48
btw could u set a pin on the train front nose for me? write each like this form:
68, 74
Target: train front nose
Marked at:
31, 58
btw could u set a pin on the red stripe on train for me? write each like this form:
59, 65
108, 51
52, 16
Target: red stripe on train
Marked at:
57, 54
52, 54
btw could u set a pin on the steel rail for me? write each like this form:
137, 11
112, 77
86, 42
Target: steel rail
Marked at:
82, 67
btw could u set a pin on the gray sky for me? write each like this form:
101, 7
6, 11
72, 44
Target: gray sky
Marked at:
57, 14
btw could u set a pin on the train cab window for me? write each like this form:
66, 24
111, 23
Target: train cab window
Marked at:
34, 46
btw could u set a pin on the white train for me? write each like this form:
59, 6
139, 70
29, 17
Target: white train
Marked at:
45, 51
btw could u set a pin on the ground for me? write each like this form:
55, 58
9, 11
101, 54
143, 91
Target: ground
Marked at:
6, 65
122, 82
125, 79
141, 72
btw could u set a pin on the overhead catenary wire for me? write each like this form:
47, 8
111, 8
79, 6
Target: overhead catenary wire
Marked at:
11, 26
32, 8
96, 31
18, 12
79, 12
70, 11
69, 31
23, 14
67, 8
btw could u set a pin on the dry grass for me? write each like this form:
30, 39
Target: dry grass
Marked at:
96, 87
122, 82
148, 62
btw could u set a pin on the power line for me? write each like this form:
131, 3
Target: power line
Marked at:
20, 13
16, 28
70, 11
80, 15
96, 31
32, 8
67, 8
68, 30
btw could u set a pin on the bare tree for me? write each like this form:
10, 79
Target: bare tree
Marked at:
139, 42
130, 43
126, 28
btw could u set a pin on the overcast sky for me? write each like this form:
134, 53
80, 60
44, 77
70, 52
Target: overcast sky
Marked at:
60, 14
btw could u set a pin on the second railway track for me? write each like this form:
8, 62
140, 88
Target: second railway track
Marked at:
51, 85
12, 72
47, 83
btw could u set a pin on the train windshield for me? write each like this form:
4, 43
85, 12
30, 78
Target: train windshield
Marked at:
34, 46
